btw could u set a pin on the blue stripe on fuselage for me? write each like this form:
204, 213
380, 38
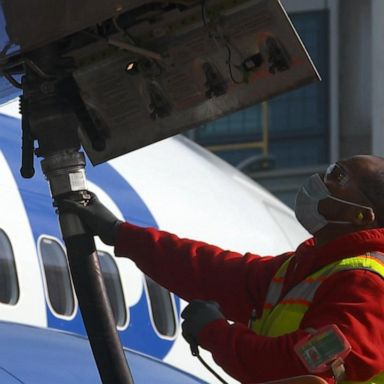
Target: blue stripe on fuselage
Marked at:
35, 194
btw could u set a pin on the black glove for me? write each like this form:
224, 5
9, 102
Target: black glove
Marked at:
95, 216
196, 316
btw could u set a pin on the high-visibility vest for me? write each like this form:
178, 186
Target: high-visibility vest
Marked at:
283, 315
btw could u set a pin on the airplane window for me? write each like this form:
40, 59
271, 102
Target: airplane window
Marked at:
9, 286
162, 308
114, 288
57, 277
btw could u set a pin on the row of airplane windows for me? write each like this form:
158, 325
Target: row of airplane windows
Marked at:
59, 288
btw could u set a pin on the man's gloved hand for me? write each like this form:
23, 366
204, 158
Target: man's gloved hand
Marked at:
196, 316
97, 218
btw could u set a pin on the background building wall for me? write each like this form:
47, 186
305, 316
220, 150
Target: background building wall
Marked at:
355, 77
377, 78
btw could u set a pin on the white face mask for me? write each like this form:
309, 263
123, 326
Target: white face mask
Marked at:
307, 203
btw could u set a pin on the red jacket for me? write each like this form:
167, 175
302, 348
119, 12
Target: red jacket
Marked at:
354, 299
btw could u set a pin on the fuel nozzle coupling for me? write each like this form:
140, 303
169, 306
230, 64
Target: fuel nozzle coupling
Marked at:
65, 172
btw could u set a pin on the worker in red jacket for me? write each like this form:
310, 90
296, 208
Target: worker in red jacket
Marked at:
318, 310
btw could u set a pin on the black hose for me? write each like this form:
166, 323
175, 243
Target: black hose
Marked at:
96, 310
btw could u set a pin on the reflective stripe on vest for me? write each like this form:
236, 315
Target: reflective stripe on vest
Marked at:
283, 315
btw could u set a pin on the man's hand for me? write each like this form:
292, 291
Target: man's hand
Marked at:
196, 316
96, 217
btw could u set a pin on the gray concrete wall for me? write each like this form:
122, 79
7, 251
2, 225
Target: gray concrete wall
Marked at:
356, 73
355, 77
378, 77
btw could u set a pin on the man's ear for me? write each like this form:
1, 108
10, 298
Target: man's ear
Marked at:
363, 216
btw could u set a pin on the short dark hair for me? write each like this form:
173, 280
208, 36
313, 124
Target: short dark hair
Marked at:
372, 185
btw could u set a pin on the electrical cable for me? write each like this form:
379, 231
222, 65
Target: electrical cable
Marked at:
12, 66
38, 70
230, 65
12, 80
195, 352
203, 16
211, 370
3, 53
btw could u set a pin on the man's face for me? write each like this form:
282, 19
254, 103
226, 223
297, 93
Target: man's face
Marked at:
343, 180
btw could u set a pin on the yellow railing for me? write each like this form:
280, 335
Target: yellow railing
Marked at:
261, 144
